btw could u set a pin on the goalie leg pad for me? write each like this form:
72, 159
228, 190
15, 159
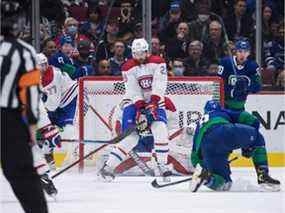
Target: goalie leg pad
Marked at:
160, 135
121, 150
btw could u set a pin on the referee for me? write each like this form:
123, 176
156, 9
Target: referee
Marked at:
16, 58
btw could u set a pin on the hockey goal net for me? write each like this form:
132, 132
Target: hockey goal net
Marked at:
189, 95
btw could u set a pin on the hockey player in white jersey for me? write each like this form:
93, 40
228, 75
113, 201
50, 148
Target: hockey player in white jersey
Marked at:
60, 94
145, 79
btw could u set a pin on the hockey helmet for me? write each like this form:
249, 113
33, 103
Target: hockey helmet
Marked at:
242, 44
139, 46
42, 61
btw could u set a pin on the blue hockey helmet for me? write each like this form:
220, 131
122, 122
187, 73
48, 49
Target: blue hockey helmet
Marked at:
242, 44
212, 105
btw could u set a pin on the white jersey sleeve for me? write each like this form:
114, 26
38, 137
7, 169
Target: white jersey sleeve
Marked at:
51, 87
59, 89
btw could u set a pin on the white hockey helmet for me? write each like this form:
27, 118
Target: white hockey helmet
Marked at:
139, 46
42, 61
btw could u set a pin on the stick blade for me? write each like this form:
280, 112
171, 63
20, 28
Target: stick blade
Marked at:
155, 184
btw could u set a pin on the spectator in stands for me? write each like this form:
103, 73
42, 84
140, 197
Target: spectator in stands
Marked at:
239, 23
177, 47
118, 59
79, 10
71, 30
266, 23
126, 18
156, 48
199, 28
275, 56
104, 68
138, 31
53, 10
169, 23
216, 47
186, 7
83, 64
93, 27
49, 48
195, 64
63, 56
105, 46
177, 67
280, 82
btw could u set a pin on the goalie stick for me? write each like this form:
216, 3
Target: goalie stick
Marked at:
113, 141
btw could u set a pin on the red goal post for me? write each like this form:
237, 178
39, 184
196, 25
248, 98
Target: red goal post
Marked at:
189, 95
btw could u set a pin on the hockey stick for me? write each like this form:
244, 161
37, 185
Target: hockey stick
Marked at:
141, 164
113, 141
88, 141
155, 184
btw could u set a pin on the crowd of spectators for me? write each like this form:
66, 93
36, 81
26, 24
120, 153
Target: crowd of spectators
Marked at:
93, 37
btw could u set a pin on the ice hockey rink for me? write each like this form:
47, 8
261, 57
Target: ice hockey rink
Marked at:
82, 193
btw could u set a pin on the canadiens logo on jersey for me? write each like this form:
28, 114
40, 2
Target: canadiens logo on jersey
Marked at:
145, 82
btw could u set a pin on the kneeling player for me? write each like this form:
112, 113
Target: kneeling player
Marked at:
215, 138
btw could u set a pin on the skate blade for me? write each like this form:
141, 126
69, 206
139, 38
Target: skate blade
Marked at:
106, 179
269, 187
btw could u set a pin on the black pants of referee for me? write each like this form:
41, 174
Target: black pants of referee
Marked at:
17, 162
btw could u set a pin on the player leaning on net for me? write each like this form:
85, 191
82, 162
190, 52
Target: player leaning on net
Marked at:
241, 77
215, 137
145, 79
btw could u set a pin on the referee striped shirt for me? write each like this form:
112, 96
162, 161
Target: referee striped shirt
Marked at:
16, 58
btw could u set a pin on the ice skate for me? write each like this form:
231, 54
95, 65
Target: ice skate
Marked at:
165, 172
106, 173
48, 185
267, 183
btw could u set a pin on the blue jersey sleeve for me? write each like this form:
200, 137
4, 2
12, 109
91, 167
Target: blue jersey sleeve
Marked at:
255, 79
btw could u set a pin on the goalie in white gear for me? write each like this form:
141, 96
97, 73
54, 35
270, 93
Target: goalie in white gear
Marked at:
145, 79
179, 145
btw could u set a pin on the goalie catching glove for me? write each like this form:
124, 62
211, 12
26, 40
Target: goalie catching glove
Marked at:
48, 138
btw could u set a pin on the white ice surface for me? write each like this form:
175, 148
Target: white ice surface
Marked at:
82, 193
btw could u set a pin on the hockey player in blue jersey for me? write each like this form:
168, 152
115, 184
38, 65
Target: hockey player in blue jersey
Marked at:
241, 77
215, 137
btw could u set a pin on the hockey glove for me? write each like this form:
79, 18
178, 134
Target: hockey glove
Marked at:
49, 137
142, 126
151, 108
240, 90
247, 152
